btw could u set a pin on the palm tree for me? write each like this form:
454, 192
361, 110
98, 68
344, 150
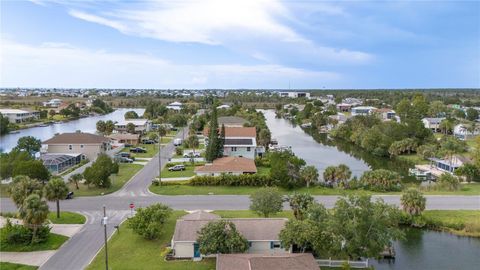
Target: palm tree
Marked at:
309, 174
34, 212
343, 173
75, 179
56, 190
330, 174
413, 202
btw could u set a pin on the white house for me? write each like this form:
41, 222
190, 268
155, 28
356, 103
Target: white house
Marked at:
239, 141
141, 125
462, 132
19, 116
386, 114
449, 165
262, 234
227, 165
53, 103
363, 110
176, 106
433, 123
294, 94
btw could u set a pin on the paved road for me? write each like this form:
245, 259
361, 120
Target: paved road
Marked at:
78, 252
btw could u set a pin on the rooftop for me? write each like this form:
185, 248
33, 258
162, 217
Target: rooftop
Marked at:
124, 136
231, 120
237, 132
239, 142
229, 164
9, 111
304, 261
136, 122
76, 138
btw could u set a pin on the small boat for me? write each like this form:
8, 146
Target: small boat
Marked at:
388, 253
14, 132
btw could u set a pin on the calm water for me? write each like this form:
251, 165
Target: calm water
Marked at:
424, 249
7, 142
320, 151
306, 147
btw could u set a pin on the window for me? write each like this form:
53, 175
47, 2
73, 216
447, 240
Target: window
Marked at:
248, 149
69, 147
274, 245
249, 244
234, 149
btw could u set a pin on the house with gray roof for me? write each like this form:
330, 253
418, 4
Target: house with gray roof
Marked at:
262, 234
289, 261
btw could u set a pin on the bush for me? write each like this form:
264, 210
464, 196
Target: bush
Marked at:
20, 235
253, 180
149, 222
179, 151
266, 201
448, 182
381, 180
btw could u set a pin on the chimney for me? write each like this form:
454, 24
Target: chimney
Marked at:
78, 131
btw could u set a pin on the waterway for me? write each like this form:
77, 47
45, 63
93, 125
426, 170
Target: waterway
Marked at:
424, 249
320, 151
88, 124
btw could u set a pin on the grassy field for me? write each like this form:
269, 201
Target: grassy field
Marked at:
184, 189
131, 251
461, 222
125, 172
66, 217
152, 150
54, 241
188, 172
15, 266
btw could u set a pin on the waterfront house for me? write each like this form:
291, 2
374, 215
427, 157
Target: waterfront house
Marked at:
125, 138
239, 141
176, 106
19, 116
142, 126
262, 234
449, 164
227, 165
86, 144
433, 123
463, 132
288, 261
363, 110
231, 121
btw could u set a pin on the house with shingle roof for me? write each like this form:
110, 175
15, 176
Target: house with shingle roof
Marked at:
227, 165
231, 121
288, 261
262, 234
239, 141
87, 144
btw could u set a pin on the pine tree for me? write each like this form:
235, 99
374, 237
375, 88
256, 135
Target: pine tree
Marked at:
221, 142
213, 140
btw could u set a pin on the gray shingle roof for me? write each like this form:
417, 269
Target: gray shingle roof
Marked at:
238, 142
298, 261
76, 138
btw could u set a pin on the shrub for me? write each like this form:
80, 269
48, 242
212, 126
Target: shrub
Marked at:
381, 180
266, 201
233, 180
20, 235
149, 222
448, 182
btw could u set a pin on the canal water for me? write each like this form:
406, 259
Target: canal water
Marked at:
88, 124
320, 151
424, 249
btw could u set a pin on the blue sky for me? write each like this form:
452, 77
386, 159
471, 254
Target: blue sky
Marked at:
240, 44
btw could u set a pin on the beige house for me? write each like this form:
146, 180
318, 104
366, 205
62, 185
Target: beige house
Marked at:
227, 165
262, 234
89, 145
289, 261
125, 138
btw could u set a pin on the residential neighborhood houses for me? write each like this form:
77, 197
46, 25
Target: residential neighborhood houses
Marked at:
239, 141
19, 116
142, 126
227, 165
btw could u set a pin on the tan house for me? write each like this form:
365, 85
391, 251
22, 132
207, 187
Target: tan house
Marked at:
89, 145
227, 165
127, 138
289, 261
262, 234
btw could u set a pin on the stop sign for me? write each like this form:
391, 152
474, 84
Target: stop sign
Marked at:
131, 206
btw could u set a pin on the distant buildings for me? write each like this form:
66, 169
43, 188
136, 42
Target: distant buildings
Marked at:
176, 106
295, 94
53, 103
141, 125
363, 110
464, 132
227, 165
19, 116
261, 233
387, 114
433, 123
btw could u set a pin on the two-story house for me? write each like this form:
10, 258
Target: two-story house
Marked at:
142, 126
239, 141
87, 144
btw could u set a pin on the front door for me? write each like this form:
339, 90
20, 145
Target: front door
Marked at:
196, 251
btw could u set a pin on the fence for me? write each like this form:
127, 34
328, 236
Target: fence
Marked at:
340, 263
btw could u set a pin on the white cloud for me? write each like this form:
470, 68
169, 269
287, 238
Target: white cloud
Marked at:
64, 65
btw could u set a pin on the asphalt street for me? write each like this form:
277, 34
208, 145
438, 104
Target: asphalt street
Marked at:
78, 252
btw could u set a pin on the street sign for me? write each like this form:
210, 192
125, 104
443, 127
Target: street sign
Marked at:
104, 221
131, 206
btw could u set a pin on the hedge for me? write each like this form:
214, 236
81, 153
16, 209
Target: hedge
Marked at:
253, 180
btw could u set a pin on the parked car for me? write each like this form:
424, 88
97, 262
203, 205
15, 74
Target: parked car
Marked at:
124, 154
149, 141
127, 144
138, 150
69, 195
191, 155
125, 160
177, 142
177, 168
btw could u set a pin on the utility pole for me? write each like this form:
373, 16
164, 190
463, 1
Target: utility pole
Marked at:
104, 221
159, 157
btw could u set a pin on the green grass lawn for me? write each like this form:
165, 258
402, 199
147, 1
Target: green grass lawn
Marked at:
130, 251
4, 190
15, 266
126, 171
152, 150
462, 222
54, 241
263, 170
188, 172
184, 189
66, 217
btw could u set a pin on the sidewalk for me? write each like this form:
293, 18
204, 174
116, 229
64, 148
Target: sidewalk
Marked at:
35, 258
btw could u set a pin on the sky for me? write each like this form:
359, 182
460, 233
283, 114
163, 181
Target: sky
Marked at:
246, 44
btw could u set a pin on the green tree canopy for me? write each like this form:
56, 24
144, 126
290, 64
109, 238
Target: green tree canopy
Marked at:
221, 237
309, 174
149, 222
131, 128
99, 173
413, 202
266, 201
381, 180
472, 114
33, 169
131, 115
34, 212
22, 187
299, 203
56, 190
4, 122
29, 144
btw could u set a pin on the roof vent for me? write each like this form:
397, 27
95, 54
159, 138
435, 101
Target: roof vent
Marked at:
56, 134
78, 131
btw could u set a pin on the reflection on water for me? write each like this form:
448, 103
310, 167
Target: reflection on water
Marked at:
8, 141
